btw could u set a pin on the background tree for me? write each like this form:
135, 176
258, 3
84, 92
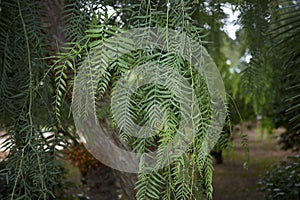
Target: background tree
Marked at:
270, 80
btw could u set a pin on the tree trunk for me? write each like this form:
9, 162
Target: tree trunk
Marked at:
53, 22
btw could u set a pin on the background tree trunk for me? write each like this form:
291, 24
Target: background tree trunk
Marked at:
55, 34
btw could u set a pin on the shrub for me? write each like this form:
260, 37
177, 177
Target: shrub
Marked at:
282, 181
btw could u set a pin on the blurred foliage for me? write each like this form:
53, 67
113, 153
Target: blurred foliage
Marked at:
270, 81
285, 36
79, 156
5, 189
282, 182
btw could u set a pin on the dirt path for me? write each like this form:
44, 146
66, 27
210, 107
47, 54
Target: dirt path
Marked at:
232, 181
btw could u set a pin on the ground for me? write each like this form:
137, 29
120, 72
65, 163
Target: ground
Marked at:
232, 181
